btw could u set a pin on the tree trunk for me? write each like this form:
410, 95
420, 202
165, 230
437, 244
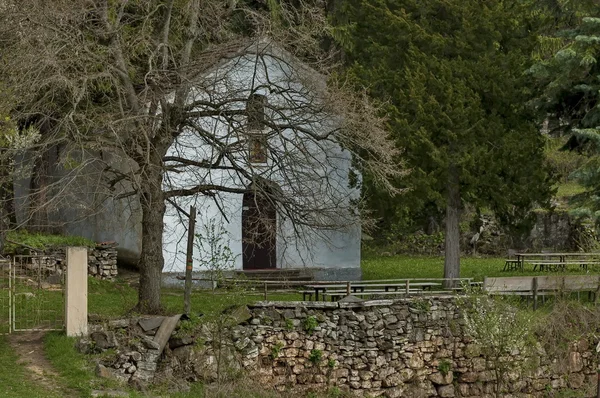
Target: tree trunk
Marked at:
452, 244
151, 258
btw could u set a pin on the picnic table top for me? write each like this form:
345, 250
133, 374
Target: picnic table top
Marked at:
344, 285
556, 254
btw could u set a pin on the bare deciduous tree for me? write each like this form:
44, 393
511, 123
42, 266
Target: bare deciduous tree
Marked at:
153, 83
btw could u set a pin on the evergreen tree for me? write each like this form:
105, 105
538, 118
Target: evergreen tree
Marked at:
452, 73
570, 95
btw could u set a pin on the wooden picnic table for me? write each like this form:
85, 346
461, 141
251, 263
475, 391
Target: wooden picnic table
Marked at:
562, 258
360, 286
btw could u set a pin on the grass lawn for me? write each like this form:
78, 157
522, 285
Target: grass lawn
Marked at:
114, 299
401, 266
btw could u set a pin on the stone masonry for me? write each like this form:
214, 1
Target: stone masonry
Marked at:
391, 348
102, 261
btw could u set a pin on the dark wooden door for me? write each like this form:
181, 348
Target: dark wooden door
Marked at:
259, 226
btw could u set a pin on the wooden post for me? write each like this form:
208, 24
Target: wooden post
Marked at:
348, 289
265, 291
534, 286
189, 262
407, 285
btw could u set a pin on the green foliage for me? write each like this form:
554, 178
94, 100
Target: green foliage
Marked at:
331, 363
562, 162
43, 241
421, 305
289, 325
276, 350
310, 324
189, 326
444, 366
75, 369
497, 328
213, 252
450, 74
315, 356
568, 95
399, 241
567, 322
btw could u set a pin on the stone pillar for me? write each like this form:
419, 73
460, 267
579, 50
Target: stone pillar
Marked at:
76, 288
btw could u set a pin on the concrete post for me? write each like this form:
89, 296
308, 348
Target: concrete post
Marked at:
76, 292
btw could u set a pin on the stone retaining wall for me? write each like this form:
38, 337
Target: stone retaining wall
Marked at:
392, 348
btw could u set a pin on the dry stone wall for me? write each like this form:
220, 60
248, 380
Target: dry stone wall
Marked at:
399, 348
102, 261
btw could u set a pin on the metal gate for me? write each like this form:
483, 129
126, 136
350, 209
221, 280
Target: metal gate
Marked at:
32, 293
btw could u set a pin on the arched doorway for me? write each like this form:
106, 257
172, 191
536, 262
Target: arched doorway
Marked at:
259, 227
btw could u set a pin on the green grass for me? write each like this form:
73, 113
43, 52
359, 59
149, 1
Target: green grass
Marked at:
43, 241
115, 299
14, 380
402, 266
76, 370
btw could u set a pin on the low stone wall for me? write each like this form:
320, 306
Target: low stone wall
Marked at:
102, 261
399, 348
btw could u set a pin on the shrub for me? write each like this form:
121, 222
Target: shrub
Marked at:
310, 324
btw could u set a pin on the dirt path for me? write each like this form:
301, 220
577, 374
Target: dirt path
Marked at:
29, 347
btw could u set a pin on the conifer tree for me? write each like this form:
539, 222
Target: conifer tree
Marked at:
452, 73
570, 95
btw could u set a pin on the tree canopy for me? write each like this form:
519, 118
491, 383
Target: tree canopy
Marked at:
451, 74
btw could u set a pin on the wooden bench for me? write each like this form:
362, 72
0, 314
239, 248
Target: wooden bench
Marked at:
534, 286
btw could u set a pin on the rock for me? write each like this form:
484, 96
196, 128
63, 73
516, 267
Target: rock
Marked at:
113, 374
468, 377
134, 356
237, 315
183, 353
109, 393
395, 392
180, 341
104, 340
119, 323
146, 366
149, 343
415, 361
439, 378
446, 391
575, 362
576, 380
148, 324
